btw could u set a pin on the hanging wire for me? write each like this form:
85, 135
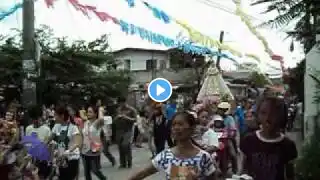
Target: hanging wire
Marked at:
215, 5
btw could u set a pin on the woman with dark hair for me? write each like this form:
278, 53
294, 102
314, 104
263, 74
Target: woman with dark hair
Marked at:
269, 154
75, 117
92, 145
159, 129
69, 140
42, 132
183, 161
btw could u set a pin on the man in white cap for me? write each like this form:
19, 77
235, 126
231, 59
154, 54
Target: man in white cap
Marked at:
224, 110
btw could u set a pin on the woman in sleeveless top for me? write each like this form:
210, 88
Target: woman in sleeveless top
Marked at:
92, 145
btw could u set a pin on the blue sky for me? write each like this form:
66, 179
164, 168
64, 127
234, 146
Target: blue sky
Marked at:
207, 16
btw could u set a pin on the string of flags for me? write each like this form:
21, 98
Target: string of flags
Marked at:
195, 35
206, 41
187, 46
244, 18
128, 28
10, 11
143, 33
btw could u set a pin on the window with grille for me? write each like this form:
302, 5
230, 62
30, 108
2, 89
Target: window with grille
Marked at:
163, 64
151, 64
127, 64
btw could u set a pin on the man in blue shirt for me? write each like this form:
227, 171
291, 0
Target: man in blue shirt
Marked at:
239, 116
170, 111
231, 126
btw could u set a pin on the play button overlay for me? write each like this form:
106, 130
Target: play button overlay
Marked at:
160, 90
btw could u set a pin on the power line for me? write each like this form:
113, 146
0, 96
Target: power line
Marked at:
216, 5
221, 7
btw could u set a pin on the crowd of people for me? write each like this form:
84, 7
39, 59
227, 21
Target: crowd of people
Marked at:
207, 141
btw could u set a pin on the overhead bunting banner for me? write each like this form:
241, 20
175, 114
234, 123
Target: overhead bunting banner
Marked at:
13, 9
206, 41
152, 37
49, 3
161, 15
195, 36
244, 18
144, 34
187, 47
131, 3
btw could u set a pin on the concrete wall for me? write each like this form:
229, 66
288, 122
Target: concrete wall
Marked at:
138, 59
175, 76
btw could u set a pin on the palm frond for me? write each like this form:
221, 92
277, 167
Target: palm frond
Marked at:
294, 12
280, 6
258, 2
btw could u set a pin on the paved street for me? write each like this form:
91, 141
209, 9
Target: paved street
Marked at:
141, 157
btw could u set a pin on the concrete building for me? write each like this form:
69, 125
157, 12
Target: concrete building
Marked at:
148, 64
135, 59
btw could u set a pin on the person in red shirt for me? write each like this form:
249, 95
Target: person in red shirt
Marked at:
78, 120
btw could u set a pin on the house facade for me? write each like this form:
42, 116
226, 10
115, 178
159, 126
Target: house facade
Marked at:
134, 59
148, 64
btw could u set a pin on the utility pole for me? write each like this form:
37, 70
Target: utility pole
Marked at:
154, 67
29, 92
219, 50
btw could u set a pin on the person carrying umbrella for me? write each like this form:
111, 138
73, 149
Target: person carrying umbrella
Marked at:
42, 132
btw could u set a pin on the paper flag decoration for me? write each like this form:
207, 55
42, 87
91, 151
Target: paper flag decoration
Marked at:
145, 34
49, 3
10, 11
244, 17
156, 38
131, 3
159, 14
206, 41
196, 36
186, 46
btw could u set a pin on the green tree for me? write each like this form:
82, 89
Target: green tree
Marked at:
309, 159
295, 79
10, 69
69, 70
299, 11
258, 79
304, 14
197, 63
